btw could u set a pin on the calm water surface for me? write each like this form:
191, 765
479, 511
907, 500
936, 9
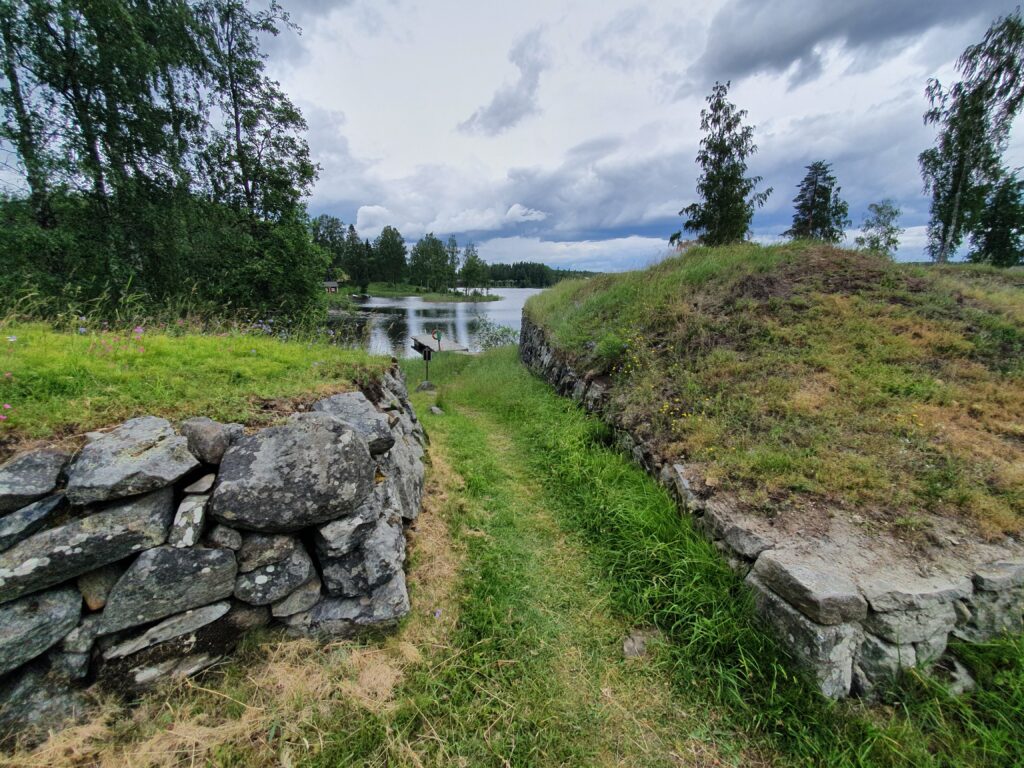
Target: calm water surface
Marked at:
387, 325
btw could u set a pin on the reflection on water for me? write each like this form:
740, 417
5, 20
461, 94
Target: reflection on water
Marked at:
386, 326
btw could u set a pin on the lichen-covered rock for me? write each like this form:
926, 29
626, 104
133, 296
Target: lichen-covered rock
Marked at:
878, 662
260, 549
990, 614
96, 585
19, 525
168, 629
402, 468
826, 651
270, 583
339, 537
188, 521
183, 655
993, 577
209, 439
913, 625
344, 576
225, 538
35, 702
822, 593
139, 456
347, 617
33, 624
384, 551
202, 485
354, 408
58, 554
30, 476
313, 469
302, 599
166, 580
81, 638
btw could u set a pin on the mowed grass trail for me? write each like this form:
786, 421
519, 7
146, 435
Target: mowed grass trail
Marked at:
514, 440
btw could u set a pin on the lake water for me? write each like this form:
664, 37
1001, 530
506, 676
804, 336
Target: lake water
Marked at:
387, 325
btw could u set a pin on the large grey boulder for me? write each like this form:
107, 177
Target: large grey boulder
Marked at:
69, 550
19, 525
826, 651
209, 439
33, 624
357, 410
270, 583
182, 655
821, 592
313, 469
35, 702
166, 580
348, 617
30, 476
139, 456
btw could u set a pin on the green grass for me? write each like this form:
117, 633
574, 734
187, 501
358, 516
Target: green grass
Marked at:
398, 290
565, 544
60, 384
802, 375
656, 569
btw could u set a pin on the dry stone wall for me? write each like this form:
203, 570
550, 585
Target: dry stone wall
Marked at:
150, 552
852, 607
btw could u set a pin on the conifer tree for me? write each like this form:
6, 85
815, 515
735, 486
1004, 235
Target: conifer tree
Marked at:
820, 213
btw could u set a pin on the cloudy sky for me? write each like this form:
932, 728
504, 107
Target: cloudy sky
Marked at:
566, 132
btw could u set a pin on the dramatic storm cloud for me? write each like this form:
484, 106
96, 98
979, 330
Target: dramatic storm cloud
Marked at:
566, 132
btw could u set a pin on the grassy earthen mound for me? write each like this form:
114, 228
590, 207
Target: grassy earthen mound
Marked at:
807, 378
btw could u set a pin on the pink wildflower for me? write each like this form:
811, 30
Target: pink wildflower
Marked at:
7, 406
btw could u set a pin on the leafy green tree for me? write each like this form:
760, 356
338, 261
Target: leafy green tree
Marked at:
881, 231
355, 261
474, 271
329, 233
391, 255
974, 118
727, 194
819, 212
998, 238
429, 263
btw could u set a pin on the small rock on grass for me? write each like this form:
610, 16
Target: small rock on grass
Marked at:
425, 386
436, 411
637, 642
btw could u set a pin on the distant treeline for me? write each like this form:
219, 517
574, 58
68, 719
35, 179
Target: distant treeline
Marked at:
160, 164
432, 264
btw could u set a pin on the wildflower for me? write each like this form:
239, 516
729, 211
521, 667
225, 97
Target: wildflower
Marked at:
8, 374
139, 330
12, 339
81, 329
7, 406
3, 417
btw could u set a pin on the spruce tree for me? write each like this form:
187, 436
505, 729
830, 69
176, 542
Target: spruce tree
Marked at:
727, 194
820, 213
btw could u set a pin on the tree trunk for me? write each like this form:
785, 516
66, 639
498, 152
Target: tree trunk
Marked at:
25, 139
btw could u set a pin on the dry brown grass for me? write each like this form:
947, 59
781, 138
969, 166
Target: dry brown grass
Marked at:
271, 706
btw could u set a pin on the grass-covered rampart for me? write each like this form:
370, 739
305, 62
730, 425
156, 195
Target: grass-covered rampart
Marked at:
800, 376
63, 383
